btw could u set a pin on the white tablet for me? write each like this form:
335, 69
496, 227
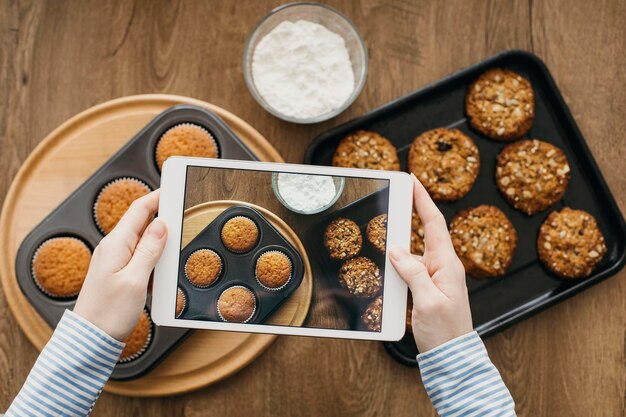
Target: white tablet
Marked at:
281, 248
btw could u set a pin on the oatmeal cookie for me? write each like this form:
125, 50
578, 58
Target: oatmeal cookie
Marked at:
343, 239
373, 314
365, 149
361, 277
377, 232
417, 235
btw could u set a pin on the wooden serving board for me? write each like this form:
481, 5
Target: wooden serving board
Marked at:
57, 166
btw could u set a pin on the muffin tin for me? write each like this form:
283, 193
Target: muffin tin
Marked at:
74, 218
361, 212
238, 268
527, 288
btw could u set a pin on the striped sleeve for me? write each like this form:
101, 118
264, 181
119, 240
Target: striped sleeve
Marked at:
460, 380
70, 372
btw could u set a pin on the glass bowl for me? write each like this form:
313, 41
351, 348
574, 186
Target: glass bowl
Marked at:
339, 184
323, 15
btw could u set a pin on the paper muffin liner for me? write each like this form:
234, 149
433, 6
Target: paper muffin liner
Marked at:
219, 313
107, 185
184, 302
209, 135
32, 267
240, 217
290, 272
145, 346
219, 274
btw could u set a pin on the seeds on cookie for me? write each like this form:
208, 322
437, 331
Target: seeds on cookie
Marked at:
343, 239
364, 149
377, 232
361, 277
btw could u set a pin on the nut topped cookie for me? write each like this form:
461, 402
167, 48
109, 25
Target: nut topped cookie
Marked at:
377, 232
500, 104
417, 235
365, 149
446, 162
373, 314
532, 175
484, 239
570, 244
361, 277
343, 239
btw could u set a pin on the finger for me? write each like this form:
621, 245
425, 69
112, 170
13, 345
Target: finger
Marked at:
412, 271
148, 252
436, 236
132, 224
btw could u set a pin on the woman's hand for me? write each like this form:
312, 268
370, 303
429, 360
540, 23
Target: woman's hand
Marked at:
441, 309
114, 292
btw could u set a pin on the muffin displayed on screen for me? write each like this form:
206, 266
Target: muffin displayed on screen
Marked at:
343, 239
114, 200
273, 270
236, 305
59, 266
373, 314
203, 268
138, 340
365, 149
240, 234
181, 302
377, 232
361, 277
185, 139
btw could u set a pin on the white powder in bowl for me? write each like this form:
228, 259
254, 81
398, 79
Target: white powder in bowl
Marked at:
305, 192
302, 69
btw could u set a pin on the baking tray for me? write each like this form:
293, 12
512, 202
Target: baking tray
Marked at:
361, 212
527, 288
73, 217
238, 268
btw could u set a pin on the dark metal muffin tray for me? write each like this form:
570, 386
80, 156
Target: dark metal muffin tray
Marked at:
527, 288
238, 269
361, 212
73, 217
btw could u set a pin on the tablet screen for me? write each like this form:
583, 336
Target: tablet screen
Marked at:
257, 246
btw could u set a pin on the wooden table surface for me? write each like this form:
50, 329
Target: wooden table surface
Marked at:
59, 58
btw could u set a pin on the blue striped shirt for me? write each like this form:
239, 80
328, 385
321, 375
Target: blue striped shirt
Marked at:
70, 372
460, 380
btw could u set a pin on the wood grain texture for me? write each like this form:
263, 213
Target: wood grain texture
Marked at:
58, 58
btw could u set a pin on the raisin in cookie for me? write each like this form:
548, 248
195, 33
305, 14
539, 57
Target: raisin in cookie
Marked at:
446, 161
365, 149
501, 104
484, 239
570, 244
343, 239
532, 175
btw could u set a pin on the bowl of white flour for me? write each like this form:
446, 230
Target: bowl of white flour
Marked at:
305, 62
307, 193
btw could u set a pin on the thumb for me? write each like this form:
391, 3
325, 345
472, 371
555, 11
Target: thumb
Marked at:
148, 250
412, 271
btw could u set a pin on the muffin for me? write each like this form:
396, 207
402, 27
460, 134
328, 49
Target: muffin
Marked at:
361, 277
570, 243
60, 266
417, 235
500, 104
138, 340
377, 232
240, 234
236, 305
343, 239
114, 199
532, 175
446, 161
181, 302
185, 140
273, 270
365, 149
203, 268
484, 239
373, 314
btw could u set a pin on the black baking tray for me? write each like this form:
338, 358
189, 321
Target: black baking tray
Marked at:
527, 288
238, 268
73, 217
361, 212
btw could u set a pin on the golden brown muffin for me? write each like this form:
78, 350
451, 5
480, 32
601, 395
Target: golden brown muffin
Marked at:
240, 234
343, 239
181, 302
203, 268
373, 314
377, 232
60, 266
417, 235
115, 199
532, 175
365, 149
138, 340
484, 239
446, 161
273, 270
570, 243
361, 277
185, 140
236, 305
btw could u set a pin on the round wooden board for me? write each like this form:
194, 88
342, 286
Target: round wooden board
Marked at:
57, 166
